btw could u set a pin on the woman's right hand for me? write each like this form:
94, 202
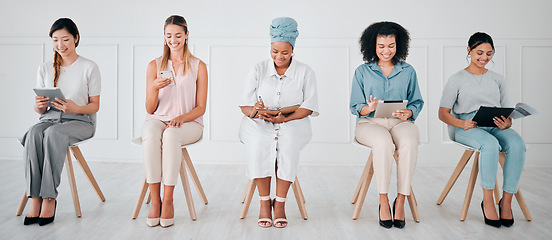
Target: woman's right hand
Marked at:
258, 105
159, 83
372, 103
469, 124
41, 102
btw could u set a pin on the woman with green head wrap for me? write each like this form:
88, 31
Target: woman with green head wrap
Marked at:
273, 141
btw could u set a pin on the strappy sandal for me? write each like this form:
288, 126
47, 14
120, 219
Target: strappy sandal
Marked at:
280, 220
269, 220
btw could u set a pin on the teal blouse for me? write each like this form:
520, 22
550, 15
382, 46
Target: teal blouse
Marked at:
402, 84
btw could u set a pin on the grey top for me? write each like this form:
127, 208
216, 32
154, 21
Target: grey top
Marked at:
466, 92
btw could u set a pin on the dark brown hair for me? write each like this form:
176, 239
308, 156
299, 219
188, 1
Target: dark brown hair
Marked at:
71, 27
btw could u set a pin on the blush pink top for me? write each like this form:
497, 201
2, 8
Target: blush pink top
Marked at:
178, 99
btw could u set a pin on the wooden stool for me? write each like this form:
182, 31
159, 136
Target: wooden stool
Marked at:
186, 164
364, 183
471, 183
250, 190
72, 183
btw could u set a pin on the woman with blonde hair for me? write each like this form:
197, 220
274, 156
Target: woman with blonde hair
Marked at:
175, 106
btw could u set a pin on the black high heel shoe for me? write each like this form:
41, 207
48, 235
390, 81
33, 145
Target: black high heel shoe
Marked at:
48, 220
503, 221
30, 220
386, 223
397, 223
494, 223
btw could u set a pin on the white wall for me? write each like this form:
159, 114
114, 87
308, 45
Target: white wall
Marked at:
230, 36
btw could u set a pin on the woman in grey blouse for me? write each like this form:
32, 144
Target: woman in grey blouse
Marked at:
464, 93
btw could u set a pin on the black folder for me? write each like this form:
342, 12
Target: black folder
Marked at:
484, 116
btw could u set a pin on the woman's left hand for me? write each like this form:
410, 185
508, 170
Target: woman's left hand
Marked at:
176, 122
280, 118
65, 106
502, 122
403, 114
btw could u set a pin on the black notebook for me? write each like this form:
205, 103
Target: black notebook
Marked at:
484, 116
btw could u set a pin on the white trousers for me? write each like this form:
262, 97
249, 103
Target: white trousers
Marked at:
162, 149
384, 135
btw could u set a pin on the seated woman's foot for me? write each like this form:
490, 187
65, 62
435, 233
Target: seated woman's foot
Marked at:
280, 220
154, 213
47, 211
34, 211
398, 213
385, 215
48, 208
265, 212
167, 213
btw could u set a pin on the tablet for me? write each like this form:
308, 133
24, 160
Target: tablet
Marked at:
484, 116
385, 109
51, 93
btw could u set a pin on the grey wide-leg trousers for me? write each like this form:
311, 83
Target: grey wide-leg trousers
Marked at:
46, 145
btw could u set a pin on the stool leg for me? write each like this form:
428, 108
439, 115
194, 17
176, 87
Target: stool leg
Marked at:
22, 204
413, 205
80, 159
362, 179
251, 185
519, 196
300, 190
471, 185
457, 171
300, 203
195, 179
187, 192
140, 199
247, 189
72, 184
364, 189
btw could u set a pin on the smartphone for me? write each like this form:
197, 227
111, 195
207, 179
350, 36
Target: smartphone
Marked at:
167, 74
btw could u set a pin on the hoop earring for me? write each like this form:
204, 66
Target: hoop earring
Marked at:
293, 54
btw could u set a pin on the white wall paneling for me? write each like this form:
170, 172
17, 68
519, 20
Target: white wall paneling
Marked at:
18, 73
535, 87
229, 45
106, 57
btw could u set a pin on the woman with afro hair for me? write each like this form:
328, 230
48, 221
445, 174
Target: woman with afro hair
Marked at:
385, 76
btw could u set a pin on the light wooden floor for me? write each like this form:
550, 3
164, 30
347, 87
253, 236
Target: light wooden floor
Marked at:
328, 191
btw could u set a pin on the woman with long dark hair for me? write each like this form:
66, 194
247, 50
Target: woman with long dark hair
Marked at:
62, 123
464, 93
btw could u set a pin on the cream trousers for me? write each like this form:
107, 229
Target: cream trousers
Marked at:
384, 135
162, 149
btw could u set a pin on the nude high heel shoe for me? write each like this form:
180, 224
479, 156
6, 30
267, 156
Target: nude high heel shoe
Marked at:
167, 222
152, 222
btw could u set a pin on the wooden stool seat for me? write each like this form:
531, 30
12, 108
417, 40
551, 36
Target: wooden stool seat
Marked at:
72, 183
250, 190
186, 164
